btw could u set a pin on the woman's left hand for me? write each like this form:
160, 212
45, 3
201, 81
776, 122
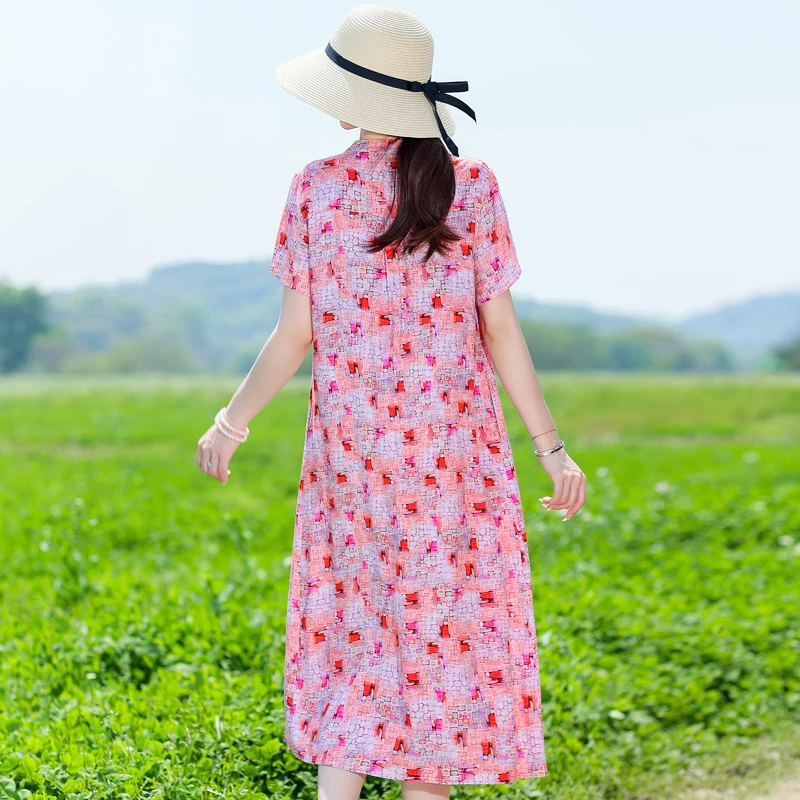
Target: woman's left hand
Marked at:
216, 449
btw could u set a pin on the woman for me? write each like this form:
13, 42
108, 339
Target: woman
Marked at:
411, 648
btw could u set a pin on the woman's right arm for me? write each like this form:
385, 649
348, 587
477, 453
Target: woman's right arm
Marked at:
508, 349
279, 360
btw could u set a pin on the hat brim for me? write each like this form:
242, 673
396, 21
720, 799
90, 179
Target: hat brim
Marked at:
316, 79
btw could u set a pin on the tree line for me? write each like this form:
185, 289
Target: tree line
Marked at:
119, 337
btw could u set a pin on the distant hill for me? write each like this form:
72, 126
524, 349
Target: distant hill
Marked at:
218, 316
221, 312
563, 314
748, 327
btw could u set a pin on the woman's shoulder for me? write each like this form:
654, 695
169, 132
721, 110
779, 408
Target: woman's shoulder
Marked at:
317, 171
473, 168
473, 171
475, 179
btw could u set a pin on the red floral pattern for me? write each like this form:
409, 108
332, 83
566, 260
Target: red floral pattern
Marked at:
411, 647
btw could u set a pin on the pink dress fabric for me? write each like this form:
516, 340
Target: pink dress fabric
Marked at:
411, 649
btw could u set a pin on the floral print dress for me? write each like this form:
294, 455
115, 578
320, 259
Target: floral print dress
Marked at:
411, 649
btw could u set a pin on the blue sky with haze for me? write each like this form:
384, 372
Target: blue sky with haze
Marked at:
648, 152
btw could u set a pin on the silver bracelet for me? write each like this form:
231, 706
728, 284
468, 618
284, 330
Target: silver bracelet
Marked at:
551, 450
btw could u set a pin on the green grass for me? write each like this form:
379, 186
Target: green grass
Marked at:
142, 604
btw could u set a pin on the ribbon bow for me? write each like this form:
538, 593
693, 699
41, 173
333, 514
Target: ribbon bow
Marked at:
433, 90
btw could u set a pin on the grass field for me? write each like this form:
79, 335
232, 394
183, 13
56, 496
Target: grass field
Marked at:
142, 604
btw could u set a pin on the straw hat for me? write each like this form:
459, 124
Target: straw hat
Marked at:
375, 72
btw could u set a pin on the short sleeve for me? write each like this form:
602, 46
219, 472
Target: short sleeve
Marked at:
291, 256
494, 254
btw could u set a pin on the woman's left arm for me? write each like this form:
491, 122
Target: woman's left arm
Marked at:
279, 359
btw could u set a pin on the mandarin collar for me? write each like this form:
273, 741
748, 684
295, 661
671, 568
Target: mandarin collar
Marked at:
373, 145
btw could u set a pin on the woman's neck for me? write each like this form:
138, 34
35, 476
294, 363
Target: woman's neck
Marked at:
365, 134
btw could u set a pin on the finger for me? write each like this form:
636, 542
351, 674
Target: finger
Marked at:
200, 447
206, 459
215, 459
582, 494
223, 470
574, 490
558, 488
572, 498
217, 471
562, 499
574, 509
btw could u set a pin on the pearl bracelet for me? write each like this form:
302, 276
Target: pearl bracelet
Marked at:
228, 430
227, 424
225, 432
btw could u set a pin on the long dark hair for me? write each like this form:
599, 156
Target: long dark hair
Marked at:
424, 190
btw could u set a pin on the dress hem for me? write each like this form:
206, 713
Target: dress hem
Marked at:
425, 777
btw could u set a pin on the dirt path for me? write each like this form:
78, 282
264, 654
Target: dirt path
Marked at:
767, 768
788, 790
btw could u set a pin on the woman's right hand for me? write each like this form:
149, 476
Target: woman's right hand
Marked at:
216, 449
569, 483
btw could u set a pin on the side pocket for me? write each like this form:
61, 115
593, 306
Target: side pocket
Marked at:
495, 426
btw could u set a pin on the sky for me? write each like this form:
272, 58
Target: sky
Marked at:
648, 152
